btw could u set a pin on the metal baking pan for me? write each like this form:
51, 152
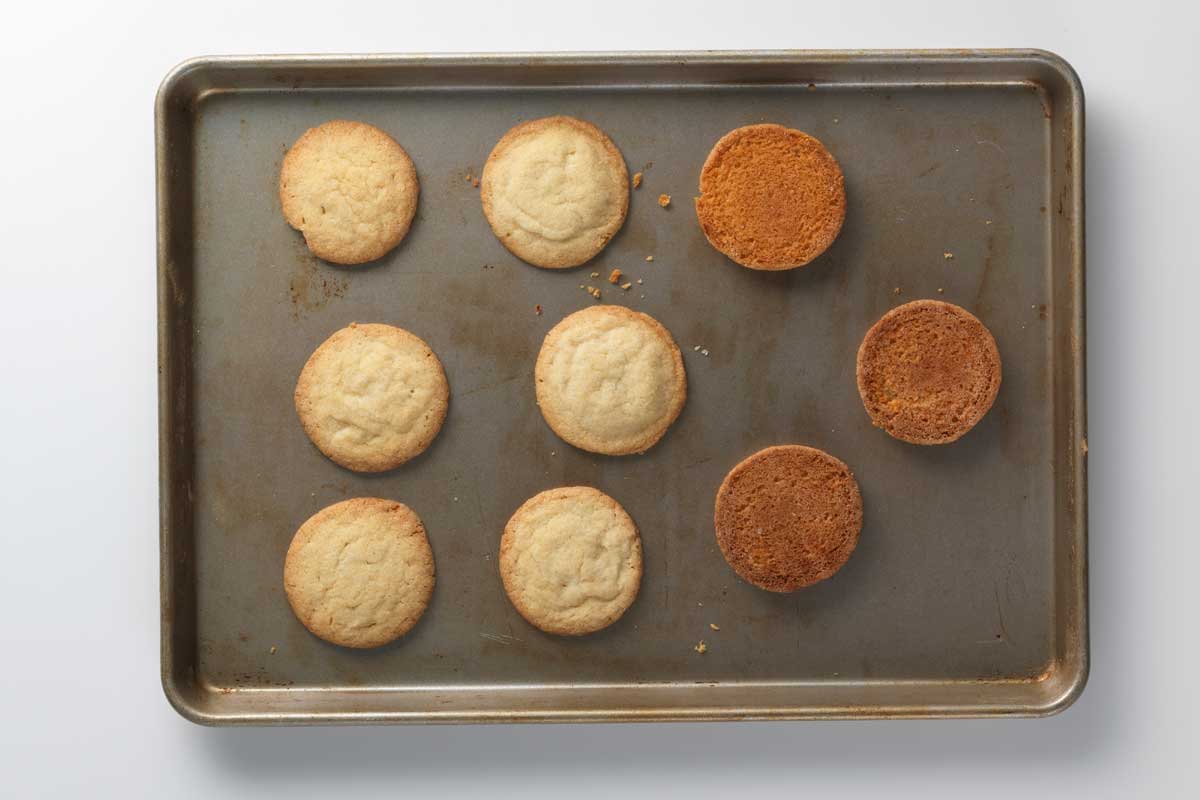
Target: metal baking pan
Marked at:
967, 594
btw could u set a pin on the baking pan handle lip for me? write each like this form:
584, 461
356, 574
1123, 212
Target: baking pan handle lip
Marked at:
179, 700
177, 77
1062, 68
1067, 687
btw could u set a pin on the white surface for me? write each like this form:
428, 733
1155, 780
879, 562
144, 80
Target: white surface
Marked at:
82, 709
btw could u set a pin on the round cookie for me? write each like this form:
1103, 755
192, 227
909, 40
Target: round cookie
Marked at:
610, 380
359, 573
771, 198
350, 189
788, 517
928, 371
571, 560
555, 191
372, 397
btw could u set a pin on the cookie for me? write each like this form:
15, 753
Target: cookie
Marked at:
359, 573
350, 189
571, 560
555, 191
928, 371
788, 517
771, 198
372, 397
610, 380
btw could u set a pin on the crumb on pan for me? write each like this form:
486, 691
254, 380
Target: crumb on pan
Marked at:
664, 200
701, 647
595, 274
475, 183
696, 348
649, 258
274, 649
627, 286
594, 292
896, 290
538, 309
637, 180
614, 276
941, 290
714, 626
947, 255
639, 280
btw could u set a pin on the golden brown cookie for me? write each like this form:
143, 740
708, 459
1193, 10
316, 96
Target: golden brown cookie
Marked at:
372, 397
571, 560
555, 191
350, 189
610, 380
787, 517
928, 371
771, 197
359, 573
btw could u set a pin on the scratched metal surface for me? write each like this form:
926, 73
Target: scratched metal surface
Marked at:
959, 598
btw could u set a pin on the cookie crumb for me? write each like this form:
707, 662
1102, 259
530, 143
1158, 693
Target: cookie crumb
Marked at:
614, 276
664, 200
595, 274
538, 309
696, 348
594, 292
701, 647
947, 255
700, 604
469, 178
896, 290
581, 286
627, 286
1083, 446
941, 290
639, 280
274, 650
714, 626
637, 180
649, 258
987, 222
704, 352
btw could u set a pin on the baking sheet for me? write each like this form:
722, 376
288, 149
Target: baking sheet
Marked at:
967, 593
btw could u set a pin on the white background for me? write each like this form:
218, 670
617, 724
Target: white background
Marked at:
82, 709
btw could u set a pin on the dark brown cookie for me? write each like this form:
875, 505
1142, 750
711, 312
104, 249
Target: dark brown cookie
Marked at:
788, 516
928, 371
